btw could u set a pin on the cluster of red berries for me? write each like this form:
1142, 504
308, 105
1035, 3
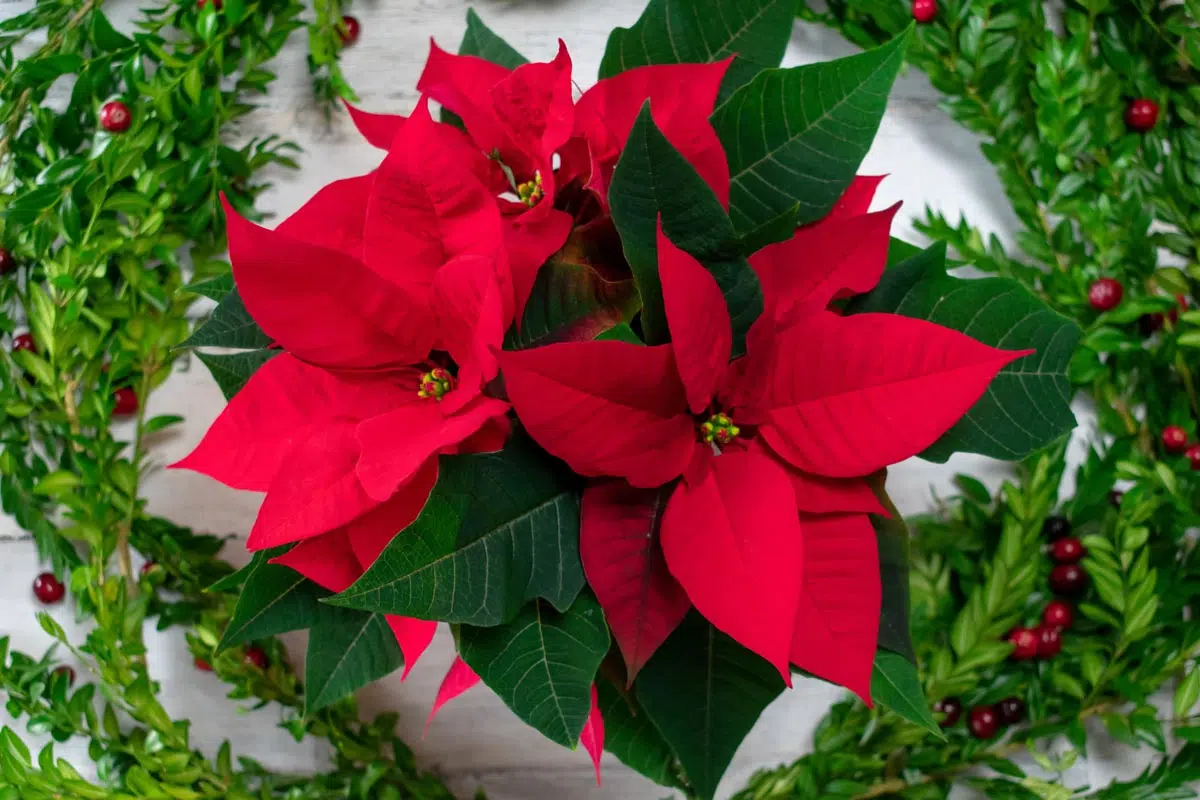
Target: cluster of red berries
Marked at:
1175, 441
1067, 578
125, 399
983, 721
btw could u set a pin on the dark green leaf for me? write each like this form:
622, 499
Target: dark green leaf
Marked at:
704, 692
498, 530
620, 333
347, 650
798, 135
274, 600
1027, 405
631, 736
571, 302
105, 36
229, 326
653, 178
892, 537
481, 41
895, 684
701, 32
232, 370
213, 288
543, 663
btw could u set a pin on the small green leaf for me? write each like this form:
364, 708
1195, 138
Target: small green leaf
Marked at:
346, 651
798, 135
895, 684
653, 178
543, 664
57, 483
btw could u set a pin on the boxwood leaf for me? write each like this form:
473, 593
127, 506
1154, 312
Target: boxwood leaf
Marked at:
1027, 406
542, 664
498, 530
798, 135
895, 684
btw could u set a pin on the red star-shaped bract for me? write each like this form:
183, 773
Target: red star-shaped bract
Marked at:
766, 529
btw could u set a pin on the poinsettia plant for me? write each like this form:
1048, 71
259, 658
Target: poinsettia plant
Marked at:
609, 382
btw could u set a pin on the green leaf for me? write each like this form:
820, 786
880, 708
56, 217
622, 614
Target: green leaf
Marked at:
498, 530
542, 664
631, 736
704, 692
701, 32
274, 600
347, 650
213, 288
798, 135
895, 684
653, 178
1027, 406
571, 302
481, 41
620, 333
229, 326
232, 370
891, 534
105, 36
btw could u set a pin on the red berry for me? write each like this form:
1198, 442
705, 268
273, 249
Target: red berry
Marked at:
1141, 114
257, 657
1105, 294
202, 665
24, 341
1068, 579
1193, 455
983, 722
1067, 550
1049, 642
1174, 439
1057, 615
1115, 497
216, 3
1024, 642
1010, 711
126, 402
48, 588
924, 10
951, 707
7, 262
115, 117
65, 670
148, 567
349, 30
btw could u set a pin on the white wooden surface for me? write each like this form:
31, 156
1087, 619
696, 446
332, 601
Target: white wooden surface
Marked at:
476, 740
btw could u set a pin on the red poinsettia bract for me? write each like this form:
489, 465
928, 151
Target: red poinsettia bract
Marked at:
766, 532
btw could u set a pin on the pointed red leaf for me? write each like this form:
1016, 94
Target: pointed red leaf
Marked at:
491, 438
286, 284
282, 404
427, 206
818, 494
698, 318
592, 736
459, 678
378, 129
471, 316
368, 535
531, 241
850, 395
733, 542
534, 107
463, 85
822, 259
396, 445
857, 197
333, 218
326, 560
314, 492
606, 408
413, 636
681, 98
624, 564
837, 622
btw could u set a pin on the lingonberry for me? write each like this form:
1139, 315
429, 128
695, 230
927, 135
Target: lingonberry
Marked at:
1068, 579
7, 262
1174, 439
1024, 642
126, 402
257, 657
1056, 528
48, 588
350, 30
1193, 456
983, 722
1057, 615
115, 117
1105, 294
1049, 642
24, 341
1010, 710
924, 10
1141, 114
202, 665
950, 708
68, 672
1067, 550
